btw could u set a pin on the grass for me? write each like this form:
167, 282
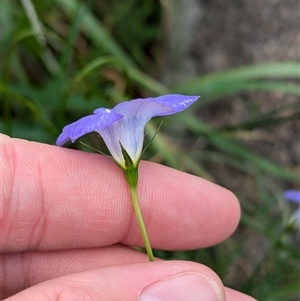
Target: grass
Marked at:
60, 61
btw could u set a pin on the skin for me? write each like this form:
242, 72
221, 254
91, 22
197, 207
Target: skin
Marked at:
67, 223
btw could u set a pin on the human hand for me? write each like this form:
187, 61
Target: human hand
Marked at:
67, 223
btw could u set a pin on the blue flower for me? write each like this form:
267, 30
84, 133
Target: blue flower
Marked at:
122, 127
294, 196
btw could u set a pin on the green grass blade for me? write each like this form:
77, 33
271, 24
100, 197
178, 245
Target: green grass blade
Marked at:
47, 55
32, 108
95, 30
275, 86
66, 56
98, 34
243, 78
95, 64
260, 122
231, 147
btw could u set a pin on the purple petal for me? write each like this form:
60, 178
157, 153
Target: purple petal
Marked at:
141, 109
176, 101
101, 119
158, 106
124, 124
129, 131
292, 195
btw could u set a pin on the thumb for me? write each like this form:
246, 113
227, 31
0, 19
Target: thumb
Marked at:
152, 281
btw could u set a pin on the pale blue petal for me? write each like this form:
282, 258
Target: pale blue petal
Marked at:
142, 108
176, 101
129, 131
158, 106
87, 124
125, 123
123, 132
292, 195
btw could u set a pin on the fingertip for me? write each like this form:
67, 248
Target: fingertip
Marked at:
200, 212
159, 280
233, 295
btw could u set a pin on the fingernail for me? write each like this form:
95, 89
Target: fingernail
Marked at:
184, 287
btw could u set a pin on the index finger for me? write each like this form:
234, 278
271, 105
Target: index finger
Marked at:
57, 198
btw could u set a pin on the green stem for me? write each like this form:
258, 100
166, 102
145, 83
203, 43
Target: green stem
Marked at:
140, 220
131, 174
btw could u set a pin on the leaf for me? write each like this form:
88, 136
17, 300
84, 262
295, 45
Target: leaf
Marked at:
245, 78
224, 144
98, 34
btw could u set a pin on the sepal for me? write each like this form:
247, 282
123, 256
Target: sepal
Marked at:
130, 170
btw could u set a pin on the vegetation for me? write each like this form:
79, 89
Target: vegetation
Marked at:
64, 58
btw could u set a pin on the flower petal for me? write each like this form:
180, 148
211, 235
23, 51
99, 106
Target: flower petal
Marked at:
129, 131
142, 108
124, 124
157, 106
292, 195
176, 101
102, 118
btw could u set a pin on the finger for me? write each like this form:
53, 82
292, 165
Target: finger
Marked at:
144, 281
161, 281
20, 270
232, 295
56, 198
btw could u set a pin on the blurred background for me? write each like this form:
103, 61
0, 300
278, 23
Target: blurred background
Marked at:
61, 59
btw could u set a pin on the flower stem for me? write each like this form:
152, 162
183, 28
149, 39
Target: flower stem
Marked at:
130, 171
140, 220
